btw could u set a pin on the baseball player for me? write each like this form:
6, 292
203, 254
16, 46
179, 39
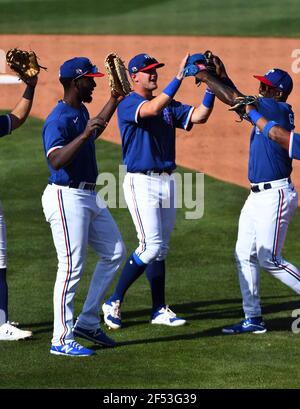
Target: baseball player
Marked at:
71, 207
272, 201
147, 126
8, 123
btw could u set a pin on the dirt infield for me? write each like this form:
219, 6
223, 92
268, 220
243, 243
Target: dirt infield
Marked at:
218, 148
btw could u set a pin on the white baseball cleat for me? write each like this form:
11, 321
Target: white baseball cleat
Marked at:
10, 333
112, 314
165, 316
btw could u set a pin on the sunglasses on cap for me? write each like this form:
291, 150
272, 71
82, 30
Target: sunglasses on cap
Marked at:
89, 73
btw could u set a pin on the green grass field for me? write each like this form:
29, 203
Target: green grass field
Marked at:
192, 17
201, 286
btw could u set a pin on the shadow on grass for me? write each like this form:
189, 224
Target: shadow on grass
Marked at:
281, 324
210, 309
39, 327
158, 339
192, 312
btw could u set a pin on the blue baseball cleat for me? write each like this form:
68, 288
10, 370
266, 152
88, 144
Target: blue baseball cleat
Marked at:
97, 336
253, 324
112, 314
71, 349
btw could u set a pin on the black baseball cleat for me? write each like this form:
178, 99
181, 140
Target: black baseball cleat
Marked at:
95, 335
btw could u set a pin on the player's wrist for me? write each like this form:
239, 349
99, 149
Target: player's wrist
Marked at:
115, 97
172, 87
208, 99
29, 92
268, 127
84, 135
254, 116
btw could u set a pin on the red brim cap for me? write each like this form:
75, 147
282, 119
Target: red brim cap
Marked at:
155, 65
264, 80
94, 74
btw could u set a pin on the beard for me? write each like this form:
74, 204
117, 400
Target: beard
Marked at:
86, 97
85, 94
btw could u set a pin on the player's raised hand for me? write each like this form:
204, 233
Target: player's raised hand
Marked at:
92, 125
182, 66
114, 94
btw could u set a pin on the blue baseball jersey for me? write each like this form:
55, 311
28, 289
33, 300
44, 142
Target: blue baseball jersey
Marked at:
267, 159
294, 145
149, 143
61, 127
5, 125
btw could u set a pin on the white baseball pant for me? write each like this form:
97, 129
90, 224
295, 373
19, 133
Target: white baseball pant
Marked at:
262, 230
3, 257
150, 200
3, 246
76, 220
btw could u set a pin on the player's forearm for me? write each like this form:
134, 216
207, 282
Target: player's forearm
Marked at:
202, 113
21, 111
261, 123
276, 133
157, 104
223, 92
62, 157
108, 110
280, 136
269, 129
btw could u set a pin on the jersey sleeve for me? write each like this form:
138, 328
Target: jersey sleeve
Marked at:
182, 114
5, 125
54, 137
128, 109
279, 112
294, 145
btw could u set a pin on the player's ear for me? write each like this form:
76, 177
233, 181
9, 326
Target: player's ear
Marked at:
279, 95
133, 78
75, 84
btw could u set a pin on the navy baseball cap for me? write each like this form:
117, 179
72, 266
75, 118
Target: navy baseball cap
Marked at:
143, 62
278, 79
79, 67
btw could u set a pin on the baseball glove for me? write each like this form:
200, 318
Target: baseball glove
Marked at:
240, 106
117, 76
209, 58
24, 63
199, 62
210, 65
